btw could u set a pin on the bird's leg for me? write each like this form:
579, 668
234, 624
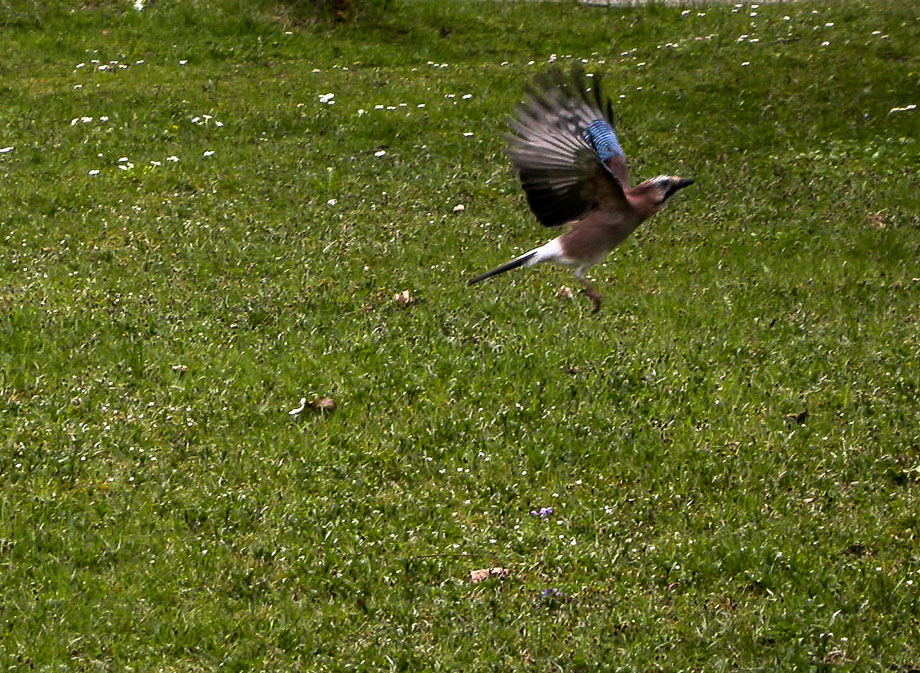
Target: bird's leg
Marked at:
589, 290
592, 293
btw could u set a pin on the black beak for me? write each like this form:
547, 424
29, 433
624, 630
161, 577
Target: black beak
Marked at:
677, 186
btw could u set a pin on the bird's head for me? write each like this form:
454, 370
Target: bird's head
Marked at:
651, 195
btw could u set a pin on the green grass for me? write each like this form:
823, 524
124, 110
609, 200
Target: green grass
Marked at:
161, 511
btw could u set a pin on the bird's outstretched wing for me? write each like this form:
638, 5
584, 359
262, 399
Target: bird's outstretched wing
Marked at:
565, 149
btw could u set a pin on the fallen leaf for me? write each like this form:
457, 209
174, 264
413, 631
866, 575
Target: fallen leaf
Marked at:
800, 417
403, 298
836, 657
477, 576
323, 404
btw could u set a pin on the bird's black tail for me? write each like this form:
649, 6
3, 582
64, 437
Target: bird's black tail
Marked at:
513, 264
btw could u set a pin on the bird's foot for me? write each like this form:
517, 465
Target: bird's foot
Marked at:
594, 297
592, 293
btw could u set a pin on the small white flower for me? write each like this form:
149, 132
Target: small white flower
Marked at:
208, 153
4, 150
156, 163
299, 410
746, 63
685, 12
421, 105
86, 120
378, 107
195, 120
467, 96
468, 134
183, 62
95, 171
361, 112
825, 43
122, 160
331, 202
77, 86
103, 118
380, 153
327, 98
172, 158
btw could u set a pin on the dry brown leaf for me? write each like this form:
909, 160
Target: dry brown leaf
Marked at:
403, 298
485, 573
800, 417
323, 404
835, 657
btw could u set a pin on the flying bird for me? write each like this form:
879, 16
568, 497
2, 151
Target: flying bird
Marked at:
573, 170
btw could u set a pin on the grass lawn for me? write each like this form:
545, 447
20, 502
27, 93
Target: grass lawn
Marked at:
194, 235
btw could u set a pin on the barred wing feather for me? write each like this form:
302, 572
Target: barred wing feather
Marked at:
565, 149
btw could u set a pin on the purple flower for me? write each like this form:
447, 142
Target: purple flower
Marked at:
543, 512
552, 593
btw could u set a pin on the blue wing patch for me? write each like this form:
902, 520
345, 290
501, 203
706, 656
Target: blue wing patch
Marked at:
599, 135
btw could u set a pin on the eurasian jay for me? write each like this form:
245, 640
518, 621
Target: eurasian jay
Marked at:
574, 172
